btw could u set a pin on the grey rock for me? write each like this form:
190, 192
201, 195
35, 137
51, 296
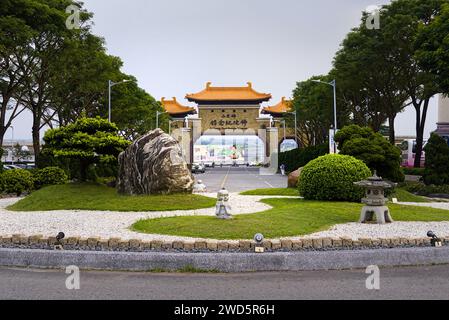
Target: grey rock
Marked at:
153, 164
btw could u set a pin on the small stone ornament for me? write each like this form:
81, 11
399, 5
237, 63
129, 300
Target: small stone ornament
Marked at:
259, 248
375, 200
58, 244
222, 208
199, 187
434, 241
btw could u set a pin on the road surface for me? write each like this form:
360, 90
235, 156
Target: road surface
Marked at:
395, 283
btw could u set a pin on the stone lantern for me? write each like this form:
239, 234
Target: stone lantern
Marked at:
375, 200
222, 208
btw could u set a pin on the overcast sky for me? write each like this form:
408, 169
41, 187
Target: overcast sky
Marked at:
174, 47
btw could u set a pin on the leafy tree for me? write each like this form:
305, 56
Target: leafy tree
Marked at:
373, 149
368, 78
87, 141
437, 161
314, 103
433, 47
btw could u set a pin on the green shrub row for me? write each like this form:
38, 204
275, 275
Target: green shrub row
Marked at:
20, 181
421, 189
298, 158
413, 171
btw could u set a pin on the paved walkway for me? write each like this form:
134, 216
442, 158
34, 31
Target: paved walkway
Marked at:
238, 179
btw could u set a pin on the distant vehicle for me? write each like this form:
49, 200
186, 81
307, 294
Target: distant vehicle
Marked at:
198, 168
408, 148
11, 167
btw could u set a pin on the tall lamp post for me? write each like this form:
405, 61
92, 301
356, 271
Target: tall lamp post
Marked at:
158, 113
110, 85
296, 125
333, 83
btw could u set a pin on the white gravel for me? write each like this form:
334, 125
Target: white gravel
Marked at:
105, 224
108, 224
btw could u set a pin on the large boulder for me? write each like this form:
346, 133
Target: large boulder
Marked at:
293, 178
153, 164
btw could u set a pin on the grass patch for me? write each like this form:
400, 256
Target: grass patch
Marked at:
289, 217
405, 196
272, 192
100, 197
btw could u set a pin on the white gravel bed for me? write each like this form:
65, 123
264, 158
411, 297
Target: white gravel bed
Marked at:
109, 224
106, 224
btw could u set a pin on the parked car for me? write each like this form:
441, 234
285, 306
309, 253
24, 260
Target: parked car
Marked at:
11, 167
198, 168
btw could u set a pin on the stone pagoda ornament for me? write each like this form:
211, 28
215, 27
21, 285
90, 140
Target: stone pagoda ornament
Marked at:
222, 208
375, 200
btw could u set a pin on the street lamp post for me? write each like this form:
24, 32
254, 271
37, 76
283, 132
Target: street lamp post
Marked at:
296, 125
158, 113
110, 85
333, 83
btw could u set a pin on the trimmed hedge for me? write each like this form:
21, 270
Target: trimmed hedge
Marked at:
49, 176
421, 189
16, 181
332, 178
298, 158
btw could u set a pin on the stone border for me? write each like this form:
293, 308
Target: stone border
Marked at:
18, 241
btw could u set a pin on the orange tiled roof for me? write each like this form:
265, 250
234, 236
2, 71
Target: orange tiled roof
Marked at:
281, 107
228, 94
174, 107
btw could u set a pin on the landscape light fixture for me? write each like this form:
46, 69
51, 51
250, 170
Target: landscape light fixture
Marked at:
434, 241
258, 238
58, 244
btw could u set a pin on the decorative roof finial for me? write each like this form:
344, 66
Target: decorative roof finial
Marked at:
163, 99
250, 84
208, 84
174, 99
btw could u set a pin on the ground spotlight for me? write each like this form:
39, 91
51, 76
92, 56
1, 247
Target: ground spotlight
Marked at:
58, 244
258, 238
434, 241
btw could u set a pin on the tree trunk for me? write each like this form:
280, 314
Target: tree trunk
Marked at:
392, 135
420, 125
36, 136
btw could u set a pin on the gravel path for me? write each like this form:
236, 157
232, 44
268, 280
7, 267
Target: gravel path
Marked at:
107, 224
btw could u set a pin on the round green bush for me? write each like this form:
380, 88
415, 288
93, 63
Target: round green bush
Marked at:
49, 176
16, 181
332, 177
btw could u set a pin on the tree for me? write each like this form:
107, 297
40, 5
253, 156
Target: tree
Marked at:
373, 149
437, 161
433, 48
402, 20
313, 103
368, 77
87, 141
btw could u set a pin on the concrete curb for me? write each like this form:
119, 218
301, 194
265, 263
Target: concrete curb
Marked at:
224, 262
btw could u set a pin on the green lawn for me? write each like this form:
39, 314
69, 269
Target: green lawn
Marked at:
405, 196
100, 197
272, 192
289, 217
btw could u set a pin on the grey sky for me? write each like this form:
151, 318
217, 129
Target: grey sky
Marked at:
174, 47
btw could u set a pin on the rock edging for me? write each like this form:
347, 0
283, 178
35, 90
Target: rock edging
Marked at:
283, 245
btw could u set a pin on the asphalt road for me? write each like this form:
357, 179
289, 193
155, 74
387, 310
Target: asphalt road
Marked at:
237, 179
395, 283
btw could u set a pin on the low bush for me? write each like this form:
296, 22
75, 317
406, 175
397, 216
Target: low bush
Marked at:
16, 181
49, 176
413, 171
437, 161
421, 189
332, 177
298, 158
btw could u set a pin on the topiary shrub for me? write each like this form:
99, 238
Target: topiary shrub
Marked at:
437, 161
49, 176
332, 177
16, 181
